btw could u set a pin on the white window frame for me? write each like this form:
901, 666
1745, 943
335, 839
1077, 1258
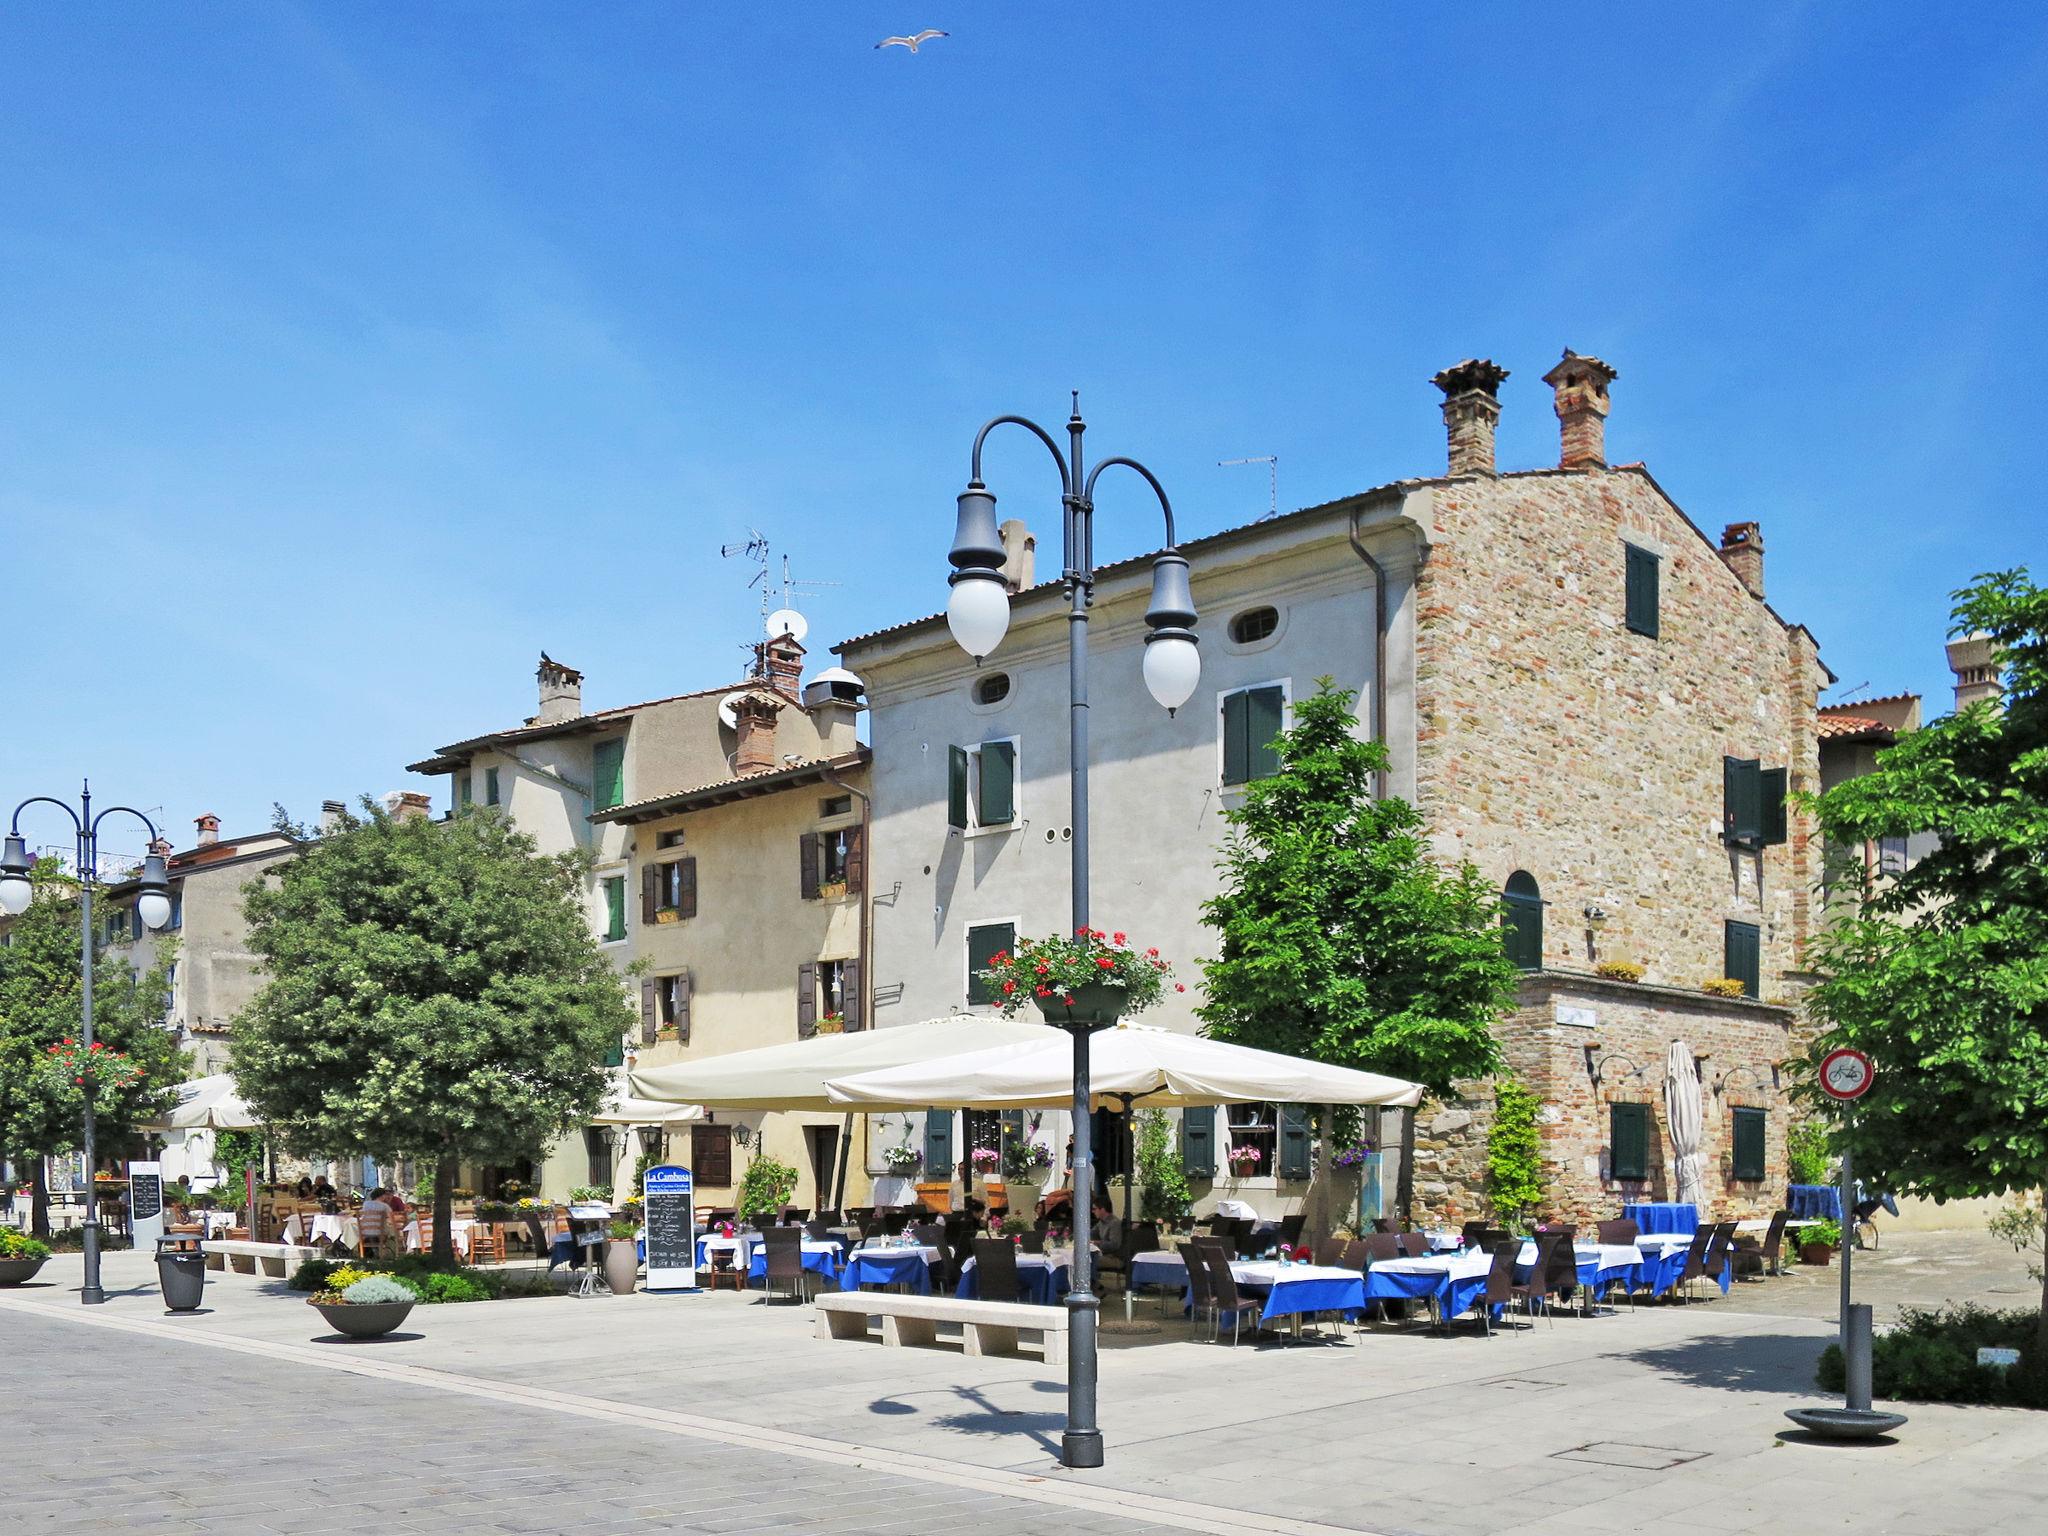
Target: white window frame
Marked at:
966, 948
1016, 823
1286, 687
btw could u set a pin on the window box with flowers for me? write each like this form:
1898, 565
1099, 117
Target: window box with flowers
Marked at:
1244, 1162
832, 1024
1092, 978
903, 1161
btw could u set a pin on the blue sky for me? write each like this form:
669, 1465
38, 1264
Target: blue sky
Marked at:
349, 355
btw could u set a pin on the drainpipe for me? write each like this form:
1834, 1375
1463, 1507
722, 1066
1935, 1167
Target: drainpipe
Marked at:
1379, 648
867, 969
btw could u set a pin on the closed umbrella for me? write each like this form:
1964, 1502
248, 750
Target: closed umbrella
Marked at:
1682, 1109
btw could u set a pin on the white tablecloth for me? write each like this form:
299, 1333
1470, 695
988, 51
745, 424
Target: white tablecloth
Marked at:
320, 1229
419, 1233
216, 1222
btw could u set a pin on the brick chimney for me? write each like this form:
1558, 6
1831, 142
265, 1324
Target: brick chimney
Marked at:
753, 722
1471, 411
1975, 664
780, 663
561, 692
209, 826
1742, 546
408, 805
1581, 385
1019, 555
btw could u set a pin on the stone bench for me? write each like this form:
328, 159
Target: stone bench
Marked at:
986, 1327
273, 1256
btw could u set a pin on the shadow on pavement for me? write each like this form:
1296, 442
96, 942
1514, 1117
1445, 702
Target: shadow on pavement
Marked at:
1751, 1362
980, 1415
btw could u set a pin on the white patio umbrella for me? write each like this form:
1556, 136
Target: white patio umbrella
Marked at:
1129, 1065
1682, 1109
792, 1076
621, 1107
209, 1104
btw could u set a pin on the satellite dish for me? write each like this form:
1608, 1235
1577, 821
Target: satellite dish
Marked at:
726, 714
787, 621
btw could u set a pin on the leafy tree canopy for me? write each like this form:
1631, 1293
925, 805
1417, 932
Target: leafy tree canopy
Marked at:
1341, 939
434, 991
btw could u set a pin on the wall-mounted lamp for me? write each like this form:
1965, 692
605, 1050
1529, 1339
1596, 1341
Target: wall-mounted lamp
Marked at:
1722, 1082
744, 1135
1596, 1071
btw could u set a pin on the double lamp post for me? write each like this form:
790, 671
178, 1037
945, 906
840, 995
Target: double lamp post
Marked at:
152, 905
978, 613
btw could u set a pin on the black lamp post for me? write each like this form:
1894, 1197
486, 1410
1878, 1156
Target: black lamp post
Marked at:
978, 613
152, 905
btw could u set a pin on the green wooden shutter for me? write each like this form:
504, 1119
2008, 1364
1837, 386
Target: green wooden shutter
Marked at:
1521, 921
1771, 783
1628, 1140
956, 787
984, 943
1198, 1143
465, 789
1294, 1158
938, 1143
615, 907
490, 786
1742, 800
996, 805
616, 1056
1749, 1143
1640, 607
1742, 958
1264, 708
608, 774
1236, 739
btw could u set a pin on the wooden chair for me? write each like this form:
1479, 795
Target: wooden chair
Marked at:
1199, 1299
725, 1265
1290, 1229
485, 1246
1695, 1261
1329, 1250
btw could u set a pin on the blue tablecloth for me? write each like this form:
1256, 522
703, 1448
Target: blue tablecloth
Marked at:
1452, 1294
881, 1266
1151, 1269
1289, 1295
1812, 1201
1038, 1284
1659, 1274
1663, 1216
818, 1261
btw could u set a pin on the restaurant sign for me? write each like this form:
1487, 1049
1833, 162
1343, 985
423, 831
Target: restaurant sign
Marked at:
671, 1217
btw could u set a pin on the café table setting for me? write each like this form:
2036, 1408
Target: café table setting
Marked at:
888, 1261
1042, 1278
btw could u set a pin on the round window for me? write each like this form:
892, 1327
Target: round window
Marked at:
1254, 624
992, 689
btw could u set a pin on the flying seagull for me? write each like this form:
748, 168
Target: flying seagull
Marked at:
910, 42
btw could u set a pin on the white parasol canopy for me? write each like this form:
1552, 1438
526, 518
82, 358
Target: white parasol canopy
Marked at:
1156, 1068
1682, 1110
792, 1076
210, 1104
622, 1108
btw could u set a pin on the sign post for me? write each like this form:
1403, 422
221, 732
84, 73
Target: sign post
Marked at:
145, 1205
671, 1217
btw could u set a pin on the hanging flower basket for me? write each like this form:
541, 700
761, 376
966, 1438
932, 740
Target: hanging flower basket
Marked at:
1090, 980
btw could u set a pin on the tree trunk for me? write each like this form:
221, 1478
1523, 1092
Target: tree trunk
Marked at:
2041, 1327
39, 1199
1405, 1199
444, 1210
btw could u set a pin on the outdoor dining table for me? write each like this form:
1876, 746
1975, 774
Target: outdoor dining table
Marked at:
1042, 1279
740, 1245
1663, 1262
1663, 1216
322, 1228
821, 1256
1293, 1290
1448, 1282
1599, 1265
909, 1266
419, 1232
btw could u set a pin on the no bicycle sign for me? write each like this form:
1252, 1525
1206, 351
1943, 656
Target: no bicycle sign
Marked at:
1846, 1074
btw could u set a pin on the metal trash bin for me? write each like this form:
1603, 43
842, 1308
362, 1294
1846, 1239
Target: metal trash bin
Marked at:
181, 1269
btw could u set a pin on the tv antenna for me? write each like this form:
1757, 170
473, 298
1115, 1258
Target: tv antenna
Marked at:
1272, 463
779, 613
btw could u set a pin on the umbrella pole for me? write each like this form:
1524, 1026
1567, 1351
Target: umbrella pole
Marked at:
1130, 1178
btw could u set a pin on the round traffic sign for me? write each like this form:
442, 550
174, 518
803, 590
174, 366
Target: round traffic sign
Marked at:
1846, 1074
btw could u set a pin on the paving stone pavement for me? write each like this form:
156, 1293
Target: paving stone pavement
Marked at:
186, 1441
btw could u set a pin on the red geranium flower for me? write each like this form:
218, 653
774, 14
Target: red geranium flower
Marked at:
1009, 986
1105, 962
1118, 938
1178, 987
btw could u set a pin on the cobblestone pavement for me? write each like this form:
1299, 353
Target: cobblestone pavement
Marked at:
191, 1441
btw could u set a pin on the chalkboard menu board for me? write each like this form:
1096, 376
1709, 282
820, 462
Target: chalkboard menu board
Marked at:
671, 1229
145, 1203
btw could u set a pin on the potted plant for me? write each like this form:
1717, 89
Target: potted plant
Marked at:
832, 1024
20, 1257
1244, 1161
903, 1161
1618, 970
985, 1162
622, 1257
1091, 979
1818, 1241
367, 1308
1026, 1162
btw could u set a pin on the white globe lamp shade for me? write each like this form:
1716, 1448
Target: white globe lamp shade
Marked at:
1173, 666
978, 613
154, 908
15, 894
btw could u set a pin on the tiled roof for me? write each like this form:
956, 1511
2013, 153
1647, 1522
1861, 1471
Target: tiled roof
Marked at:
1832, 725
447, 759
1886, 698
740, 787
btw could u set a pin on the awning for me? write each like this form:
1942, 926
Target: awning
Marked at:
210, 1104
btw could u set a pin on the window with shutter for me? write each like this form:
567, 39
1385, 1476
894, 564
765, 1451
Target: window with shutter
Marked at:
1628, 1141
1641, 602
853, 1005
711, 1155
686, 887
1521, 921
1749, 1143
615, 908
996, 800
680, 984
984, 942
856, 860
490, 786
1772, 787
956, 787
1252, 717
1198, 1143
938, 1143
806, 1000
1742, 958
608, 774
615, 1057
597, 1156
650, 1011
1294, 1158
650, 891
1742, 801
810, 858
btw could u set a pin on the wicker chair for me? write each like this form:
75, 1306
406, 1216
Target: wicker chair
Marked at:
785, 1250
995, 1269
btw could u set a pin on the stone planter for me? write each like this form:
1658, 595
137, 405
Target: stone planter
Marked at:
19, 1271
622, 1265
244, 1263
1094, 1005
1816, 1253
363, 1322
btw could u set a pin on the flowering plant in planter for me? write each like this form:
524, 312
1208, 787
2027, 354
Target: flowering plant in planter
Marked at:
904, 1159
1353, 1156
1026, 1160
984, 1159
1244, 1161
832, 1024
1039, 970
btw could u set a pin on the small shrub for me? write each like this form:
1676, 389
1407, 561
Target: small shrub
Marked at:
16, 1245
1514, 1150
766, 1186
348, 1275
1931, 1356
1806, 1152
1722, 986
623, 1231
374, 1289
1619, 970
1163, 1192
436, 1289
1826, 1230
312, 1275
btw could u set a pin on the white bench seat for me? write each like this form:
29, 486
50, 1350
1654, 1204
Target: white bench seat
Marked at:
986, 1327
273, 1256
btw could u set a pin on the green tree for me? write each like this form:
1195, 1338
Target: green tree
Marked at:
1940, 973
41, 1005
433, 992
1342, 940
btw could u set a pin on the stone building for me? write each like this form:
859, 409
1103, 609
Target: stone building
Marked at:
1589, 698
577, 780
